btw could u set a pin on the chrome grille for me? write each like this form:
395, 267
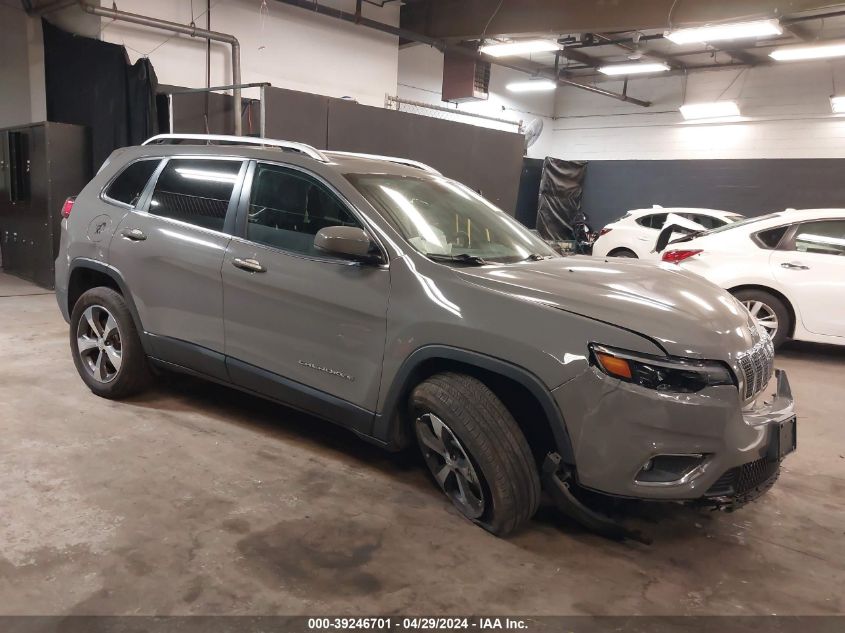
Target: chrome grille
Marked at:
757, 366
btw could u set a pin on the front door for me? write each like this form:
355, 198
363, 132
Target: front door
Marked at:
302, 325
170, 252
813, 271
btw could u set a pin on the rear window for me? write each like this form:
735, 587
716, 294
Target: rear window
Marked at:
733, 225
130, 183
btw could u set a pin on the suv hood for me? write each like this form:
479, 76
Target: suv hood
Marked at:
686, 314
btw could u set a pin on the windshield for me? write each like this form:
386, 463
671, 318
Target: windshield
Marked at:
442, 218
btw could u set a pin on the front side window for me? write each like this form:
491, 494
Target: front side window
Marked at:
440, 217
288, 207
196, 191
825, 238
129, 184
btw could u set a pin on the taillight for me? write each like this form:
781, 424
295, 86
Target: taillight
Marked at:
675, 257
604, 231
67, 207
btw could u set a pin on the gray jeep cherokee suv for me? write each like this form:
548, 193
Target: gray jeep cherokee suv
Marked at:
378, 294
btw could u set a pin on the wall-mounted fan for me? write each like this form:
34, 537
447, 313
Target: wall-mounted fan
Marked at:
532, 132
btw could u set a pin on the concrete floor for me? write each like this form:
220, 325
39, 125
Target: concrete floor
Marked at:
195, 499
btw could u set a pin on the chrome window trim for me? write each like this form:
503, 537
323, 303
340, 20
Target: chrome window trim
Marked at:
164, 218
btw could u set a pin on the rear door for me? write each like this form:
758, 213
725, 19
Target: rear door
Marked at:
301, 325
812, 269
170, 249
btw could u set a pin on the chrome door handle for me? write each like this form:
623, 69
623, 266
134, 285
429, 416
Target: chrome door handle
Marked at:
136, 235
792, 266
252, 265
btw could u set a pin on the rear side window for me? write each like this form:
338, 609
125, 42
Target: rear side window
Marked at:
130, 183
770, 238
653, 221
195, 191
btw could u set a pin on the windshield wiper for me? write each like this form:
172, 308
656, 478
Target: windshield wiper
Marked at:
463, 258
536, 257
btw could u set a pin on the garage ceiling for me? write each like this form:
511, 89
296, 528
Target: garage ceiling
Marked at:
595, 33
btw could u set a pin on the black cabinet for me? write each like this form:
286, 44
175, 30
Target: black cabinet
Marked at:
40, 166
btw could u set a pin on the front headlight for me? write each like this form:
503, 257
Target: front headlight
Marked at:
663, 373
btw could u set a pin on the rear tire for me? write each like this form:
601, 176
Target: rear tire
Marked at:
623, 252
769, 311
476, 451
105, 345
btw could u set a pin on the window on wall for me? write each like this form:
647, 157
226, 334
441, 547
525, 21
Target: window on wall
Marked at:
130, 183
825, 237
288, 207
195, 191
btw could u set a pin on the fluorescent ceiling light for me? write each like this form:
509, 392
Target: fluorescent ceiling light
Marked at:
717, 32
536, 85
819, 51
715, 110
633, 69
519, 47
837, 104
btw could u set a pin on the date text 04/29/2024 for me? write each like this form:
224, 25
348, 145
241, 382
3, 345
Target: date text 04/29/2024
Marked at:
417, 623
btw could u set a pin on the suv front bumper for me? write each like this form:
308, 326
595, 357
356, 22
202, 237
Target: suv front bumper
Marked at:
729, 454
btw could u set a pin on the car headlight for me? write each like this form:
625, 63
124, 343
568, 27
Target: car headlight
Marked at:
663, 373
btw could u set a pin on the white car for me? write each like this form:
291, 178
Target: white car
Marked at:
635, 233
787, 268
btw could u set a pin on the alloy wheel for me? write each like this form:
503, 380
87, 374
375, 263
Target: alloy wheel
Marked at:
450, 464
765, 316
99, 344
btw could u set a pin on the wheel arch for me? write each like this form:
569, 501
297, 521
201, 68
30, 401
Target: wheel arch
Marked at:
85, 274
614, 251
523, 394
793, 316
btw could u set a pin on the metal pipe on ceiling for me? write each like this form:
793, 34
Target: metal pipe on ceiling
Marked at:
174, 27
314, 7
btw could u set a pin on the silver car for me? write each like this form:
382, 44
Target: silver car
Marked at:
380, 295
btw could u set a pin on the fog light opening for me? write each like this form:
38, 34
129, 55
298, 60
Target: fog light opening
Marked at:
665, 470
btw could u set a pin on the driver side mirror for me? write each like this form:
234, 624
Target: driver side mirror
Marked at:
347, 241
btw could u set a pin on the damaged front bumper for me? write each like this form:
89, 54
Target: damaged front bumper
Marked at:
638, 443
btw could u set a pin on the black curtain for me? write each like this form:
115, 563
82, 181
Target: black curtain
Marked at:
91, 83
529, 189
560, 197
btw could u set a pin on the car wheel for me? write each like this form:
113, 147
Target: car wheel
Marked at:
476, 452
769, 312
105, 345
623, 252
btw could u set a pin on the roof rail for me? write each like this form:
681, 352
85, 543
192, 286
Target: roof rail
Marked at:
391, 159
223, 139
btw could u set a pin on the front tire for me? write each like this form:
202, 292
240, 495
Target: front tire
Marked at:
105, 345
476, 452
769, 312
